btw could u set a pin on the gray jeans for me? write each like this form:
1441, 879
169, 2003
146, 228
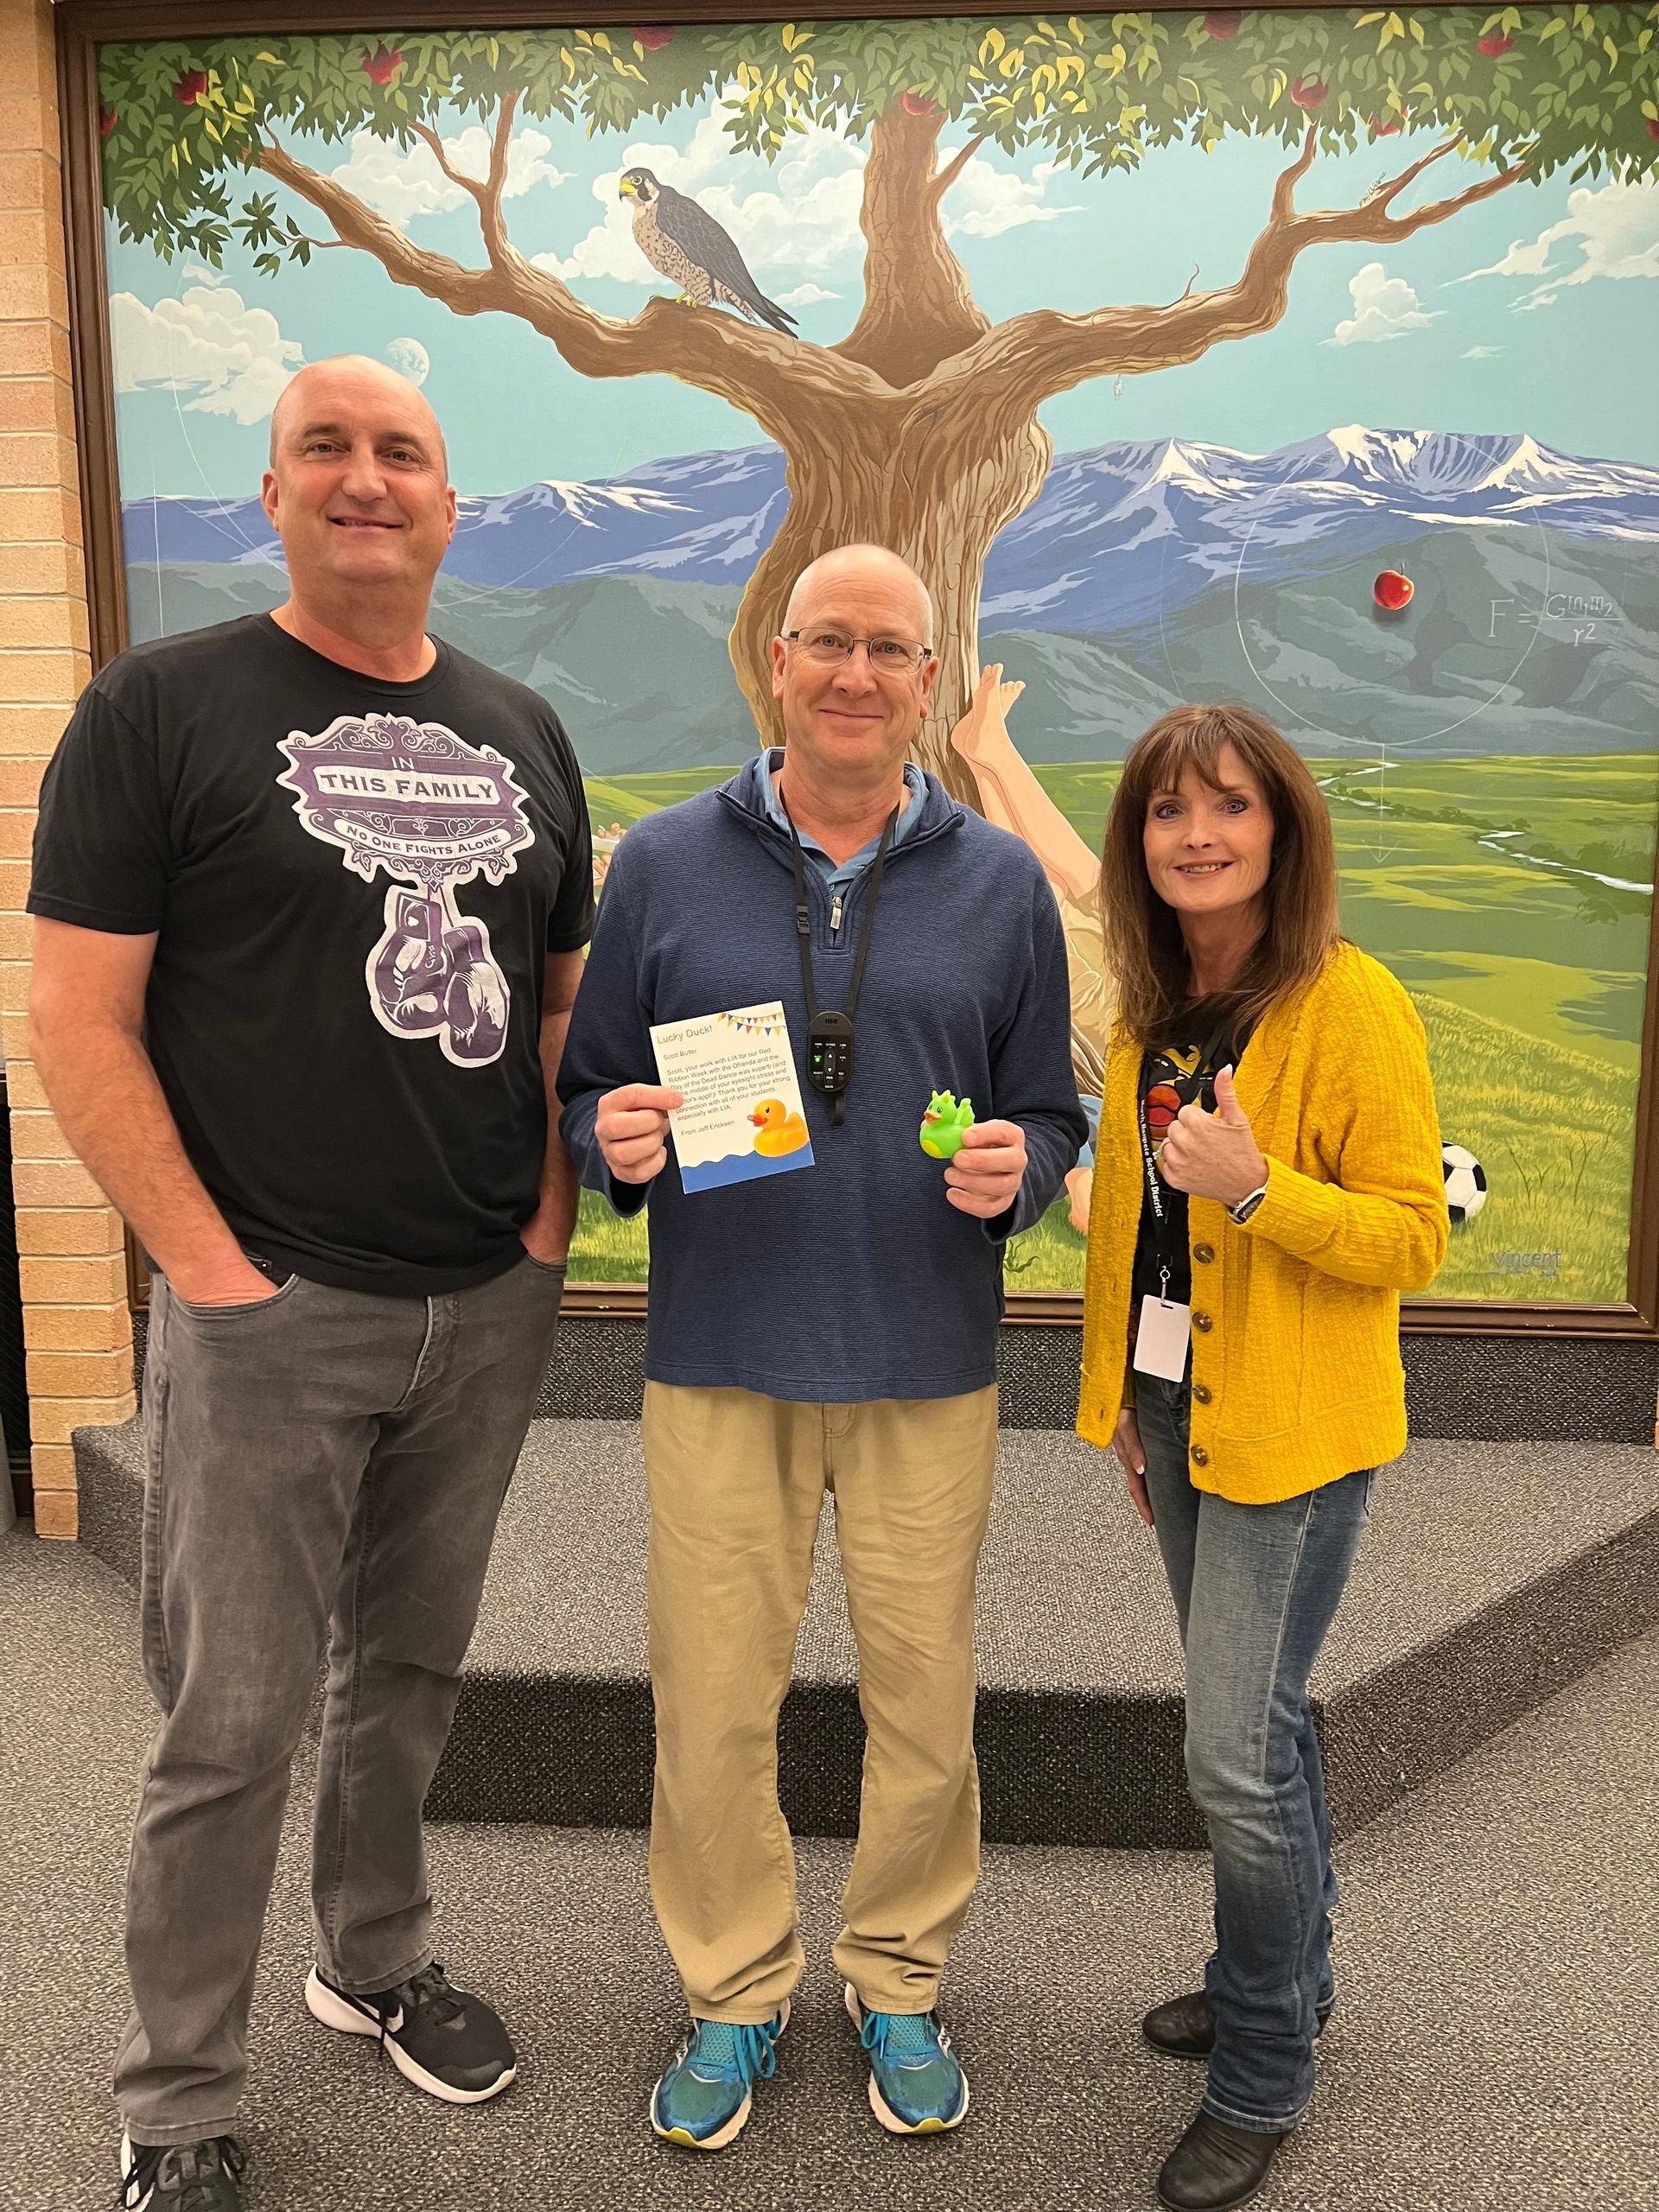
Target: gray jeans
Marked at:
325, 1468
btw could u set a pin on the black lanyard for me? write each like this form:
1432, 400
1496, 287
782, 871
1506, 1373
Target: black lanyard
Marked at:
1154, 1187
830, 1034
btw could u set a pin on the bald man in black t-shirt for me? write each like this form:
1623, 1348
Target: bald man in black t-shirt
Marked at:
312, 890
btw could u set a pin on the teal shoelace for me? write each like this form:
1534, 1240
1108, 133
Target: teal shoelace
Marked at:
740, 2053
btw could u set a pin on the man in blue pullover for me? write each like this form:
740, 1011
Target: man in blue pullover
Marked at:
831, 1329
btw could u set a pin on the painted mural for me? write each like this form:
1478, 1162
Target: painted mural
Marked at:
1298, 358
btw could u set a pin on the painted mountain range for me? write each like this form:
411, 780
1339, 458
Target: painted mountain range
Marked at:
1144, 573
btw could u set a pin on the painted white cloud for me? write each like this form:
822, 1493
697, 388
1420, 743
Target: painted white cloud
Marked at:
807, 295
1384, 306
803, 219
231, 358
410, 359
404, 184
1480, 352
1614, 228
984, 201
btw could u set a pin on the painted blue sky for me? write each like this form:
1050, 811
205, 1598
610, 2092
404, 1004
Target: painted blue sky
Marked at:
1536, 311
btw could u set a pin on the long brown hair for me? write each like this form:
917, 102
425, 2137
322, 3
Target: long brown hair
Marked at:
1144, 946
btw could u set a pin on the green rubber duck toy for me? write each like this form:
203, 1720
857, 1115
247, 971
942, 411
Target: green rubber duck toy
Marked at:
945, 1124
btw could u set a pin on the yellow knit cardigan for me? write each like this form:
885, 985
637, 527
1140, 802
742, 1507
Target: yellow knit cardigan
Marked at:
1296, 1373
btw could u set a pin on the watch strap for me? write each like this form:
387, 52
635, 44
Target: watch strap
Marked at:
1241, 1212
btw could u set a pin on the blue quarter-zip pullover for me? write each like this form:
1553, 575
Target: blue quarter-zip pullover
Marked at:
852, 1279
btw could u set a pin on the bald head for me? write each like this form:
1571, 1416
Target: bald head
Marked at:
866, 569
316, 395
850, 714
358, 492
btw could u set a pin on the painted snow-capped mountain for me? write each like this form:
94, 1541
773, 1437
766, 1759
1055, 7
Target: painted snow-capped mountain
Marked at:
1124, 534
1144, 574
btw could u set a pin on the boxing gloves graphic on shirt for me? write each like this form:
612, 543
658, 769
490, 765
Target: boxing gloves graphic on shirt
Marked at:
431, 975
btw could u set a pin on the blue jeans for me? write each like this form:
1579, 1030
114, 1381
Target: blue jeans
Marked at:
1256, 1588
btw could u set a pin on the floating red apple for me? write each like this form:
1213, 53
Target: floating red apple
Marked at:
1496, 43
190, 86
106, 120
1223, 22
1392, 591
1310, 93
652, 35
921, 104
383, 65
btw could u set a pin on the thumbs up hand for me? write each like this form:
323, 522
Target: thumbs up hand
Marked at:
1214, 1155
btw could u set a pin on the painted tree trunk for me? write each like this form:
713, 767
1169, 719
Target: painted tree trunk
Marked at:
937, 496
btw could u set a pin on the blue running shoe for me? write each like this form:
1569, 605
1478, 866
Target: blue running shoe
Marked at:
704, 2096
917, 2084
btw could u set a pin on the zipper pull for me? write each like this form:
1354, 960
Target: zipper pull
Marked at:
835, 912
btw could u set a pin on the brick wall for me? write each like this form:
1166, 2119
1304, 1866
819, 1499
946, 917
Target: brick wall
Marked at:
75, 1320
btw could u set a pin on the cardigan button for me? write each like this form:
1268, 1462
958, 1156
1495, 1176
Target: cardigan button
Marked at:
1202, 1393
1203, 1323
1203, 1254
1200, 1457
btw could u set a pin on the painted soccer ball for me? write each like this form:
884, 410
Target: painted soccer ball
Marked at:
1465, 1183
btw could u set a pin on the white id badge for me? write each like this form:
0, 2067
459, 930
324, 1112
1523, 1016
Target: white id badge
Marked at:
1161, 1340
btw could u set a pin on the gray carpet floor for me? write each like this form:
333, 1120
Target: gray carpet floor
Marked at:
1493, 2048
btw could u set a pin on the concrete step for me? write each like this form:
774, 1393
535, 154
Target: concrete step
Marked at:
1492, 1574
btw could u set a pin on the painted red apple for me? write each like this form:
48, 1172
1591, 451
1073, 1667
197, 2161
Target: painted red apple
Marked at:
1383, 126
190, 86
1498, 42
1310, 93
106, 120
921, 104
383, 65
1392, 591
1652, 128
1223, 22
652, 35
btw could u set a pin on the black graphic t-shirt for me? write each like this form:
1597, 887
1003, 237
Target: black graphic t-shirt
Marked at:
355, 886
1169, 1080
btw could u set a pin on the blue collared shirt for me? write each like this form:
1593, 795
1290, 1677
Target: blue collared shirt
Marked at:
839, 874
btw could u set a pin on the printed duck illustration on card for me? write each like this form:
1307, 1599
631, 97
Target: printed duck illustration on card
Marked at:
742, 1117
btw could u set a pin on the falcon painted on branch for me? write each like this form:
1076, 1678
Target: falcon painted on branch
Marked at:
687, 246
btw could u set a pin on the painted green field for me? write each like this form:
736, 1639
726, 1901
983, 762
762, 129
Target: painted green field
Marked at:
1510, 896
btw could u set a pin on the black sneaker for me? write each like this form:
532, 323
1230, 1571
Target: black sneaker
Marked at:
445, 2042
183, 2176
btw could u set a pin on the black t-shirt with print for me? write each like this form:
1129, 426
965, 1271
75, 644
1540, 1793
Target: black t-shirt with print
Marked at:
355, 885
1170, 1079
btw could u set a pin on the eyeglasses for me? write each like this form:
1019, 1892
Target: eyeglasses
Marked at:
831, 648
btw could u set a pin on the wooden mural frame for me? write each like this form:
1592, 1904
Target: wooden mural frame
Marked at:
83, 26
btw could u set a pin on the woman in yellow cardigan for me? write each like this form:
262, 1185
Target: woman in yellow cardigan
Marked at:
1249, 1238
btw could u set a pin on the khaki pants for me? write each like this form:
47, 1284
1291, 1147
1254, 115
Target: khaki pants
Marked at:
737, 1482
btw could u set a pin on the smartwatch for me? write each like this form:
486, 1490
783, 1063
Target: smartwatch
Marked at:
1241, 1212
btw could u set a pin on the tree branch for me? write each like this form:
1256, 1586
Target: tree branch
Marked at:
1387, 188
429, 138
953, 168
1043, 352
919, 307
1283, 204
486, 191
762, 372
494, 223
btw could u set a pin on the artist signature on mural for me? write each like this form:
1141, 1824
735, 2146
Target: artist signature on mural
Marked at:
1547, 1264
